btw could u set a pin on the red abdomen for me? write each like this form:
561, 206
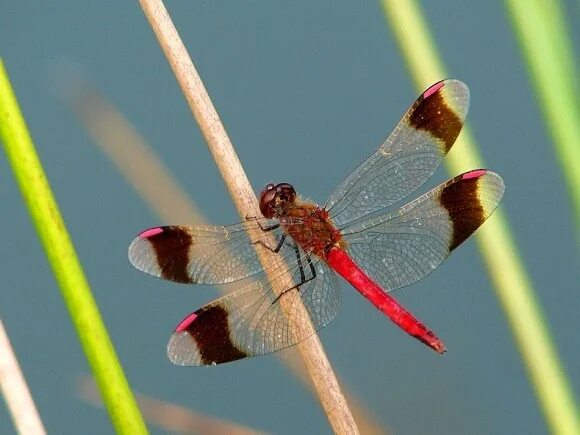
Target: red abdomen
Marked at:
341, 262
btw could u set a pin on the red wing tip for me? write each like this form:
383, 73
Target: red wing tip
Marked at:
434, 88
184, 324
151, 232
474, 174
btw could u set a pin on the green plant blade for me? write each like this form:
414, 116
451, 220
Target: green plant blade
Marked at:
62, 257
500, 253
547, 51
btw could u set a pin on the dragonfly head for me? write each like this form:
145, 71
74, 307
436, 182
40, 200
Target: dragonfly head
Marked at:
275, 197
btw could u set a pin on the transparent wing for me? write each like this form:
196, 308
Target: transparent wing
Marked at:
402, 247
204, 254
408, 157
255, 321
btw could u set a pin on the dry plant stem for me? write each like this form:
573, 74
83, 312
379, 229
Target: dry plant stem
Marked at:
134, 159
168, 416
366, 422
15, 391
319, 368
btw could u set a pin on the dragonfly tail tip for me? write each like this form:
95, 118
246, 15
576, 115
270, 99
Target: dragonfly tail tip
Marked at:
439, 347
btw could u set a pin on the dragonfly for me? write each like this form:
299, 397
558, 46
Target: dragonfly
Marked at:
358, 235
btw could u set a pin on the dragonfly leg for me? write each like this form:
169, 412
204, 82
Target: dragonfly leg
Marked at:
269, 228
278, 246
301, 267
303, 279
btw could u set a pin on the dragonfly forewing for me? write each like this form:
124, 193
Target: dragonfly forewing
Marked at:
408, 157
204, 254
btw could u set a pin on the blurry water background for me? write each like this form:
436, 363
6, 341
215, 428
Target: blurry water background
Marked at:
306, 91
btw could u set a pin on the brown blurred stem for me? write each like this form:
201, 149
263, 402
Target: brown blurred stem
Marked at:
169, 416
318, 366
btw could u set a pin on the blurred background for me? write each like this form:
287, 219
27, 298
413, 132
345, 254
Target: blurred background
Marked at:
306, 92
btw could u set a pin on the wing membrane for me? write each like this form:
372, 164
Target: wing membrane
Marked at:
203, 254
402, 247
408, 157
252, 321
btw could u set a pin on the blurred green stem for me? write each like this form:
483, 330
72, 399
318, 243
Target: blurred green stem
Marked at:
547, 50
62, 257
512, 284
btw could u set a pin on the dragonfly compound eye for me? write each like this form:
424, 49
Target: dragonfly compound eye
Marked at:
285, 192
267, 201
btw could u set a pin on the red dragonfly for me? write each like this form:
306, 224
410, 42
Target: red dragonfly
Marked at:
353, 235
